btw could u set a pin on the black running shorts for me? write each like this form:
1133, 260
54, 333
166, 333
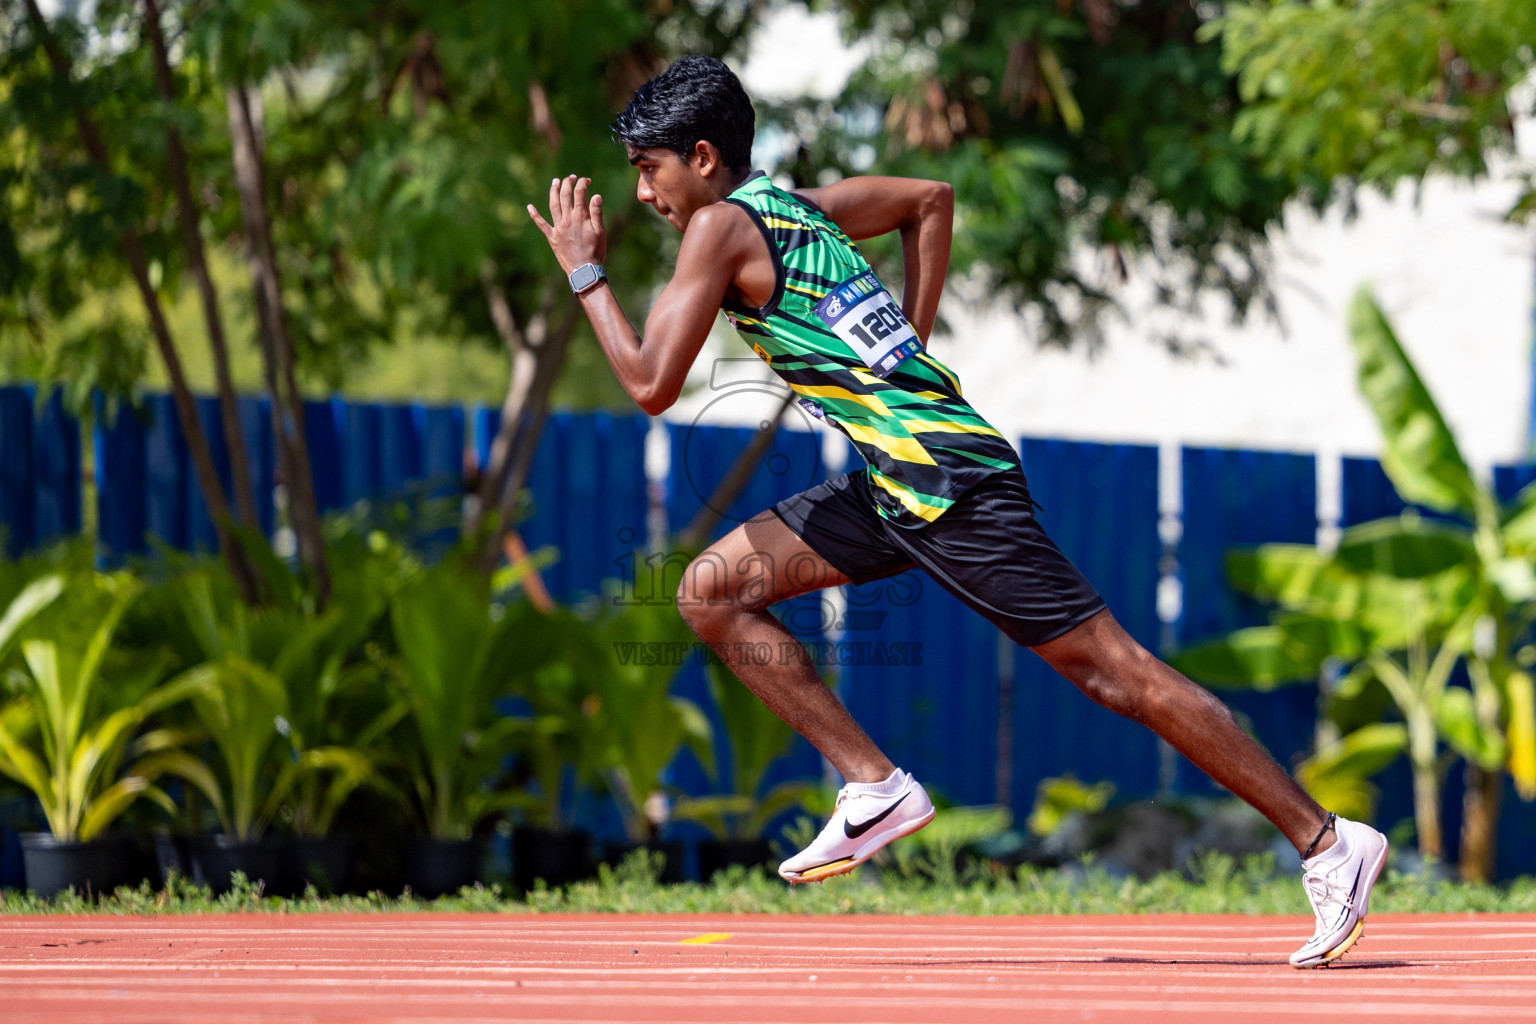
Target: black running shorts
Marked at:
987, 549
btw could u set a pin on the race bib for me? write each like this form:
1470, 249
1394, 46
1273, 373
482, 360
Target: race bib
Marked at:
862, 313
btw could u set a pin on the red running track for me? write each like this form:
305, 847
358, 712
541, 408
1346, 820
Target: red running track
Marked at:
750, 969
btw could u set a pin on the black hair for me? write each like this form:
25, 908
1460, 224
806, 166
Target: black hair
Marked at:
696, 99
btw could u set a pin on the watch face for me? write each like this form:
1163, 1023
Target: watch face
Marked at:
584, 276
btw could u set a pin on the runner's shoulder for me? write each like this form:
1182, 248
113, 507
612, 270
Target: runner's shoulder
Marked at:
720, 228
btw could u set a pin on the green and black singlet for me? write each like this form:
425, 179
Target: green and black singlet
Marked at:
836, 336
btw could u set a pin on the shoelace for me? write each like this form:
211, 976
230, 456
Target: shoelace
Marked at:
1322, 891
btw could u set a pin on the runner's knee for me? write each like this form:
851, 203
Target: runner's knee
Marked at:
702, 594
1125, 681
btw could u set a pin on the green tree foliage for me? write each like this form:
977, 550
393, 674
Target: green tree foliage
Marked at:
1374, 92
1066, 128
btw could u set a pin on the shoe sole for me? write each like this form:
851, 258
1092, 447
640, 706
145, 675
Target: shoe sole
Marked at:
868, 850
1359, 929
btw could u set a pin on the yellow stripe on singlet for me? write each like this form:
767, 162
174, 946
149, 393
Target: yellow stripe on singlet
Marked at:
907, 449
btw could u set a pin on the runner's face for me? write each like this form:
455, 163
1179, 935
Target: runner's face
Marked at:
672, 184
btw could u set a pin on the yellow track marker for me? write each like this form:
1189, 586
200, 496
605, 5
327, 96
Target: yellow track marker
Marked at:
699, 940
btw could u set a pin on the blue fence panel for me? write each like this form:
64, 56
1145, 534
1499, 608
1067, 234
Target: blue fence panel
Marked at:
56, 472
1233, 499
1367, 492
363, 461
589, 498
400, 455
703, 455
325, 433
146, 484
168, 476
39, 470
1100, 507
260, 452
16, 468
442, 449
122, 511
1509, 481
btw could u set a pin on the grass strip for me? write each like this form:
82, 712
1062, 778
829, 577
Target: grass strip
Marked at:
1216, 884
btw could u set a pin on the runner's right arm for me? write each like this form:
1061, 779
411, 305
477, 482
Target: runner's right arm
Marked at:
923, 211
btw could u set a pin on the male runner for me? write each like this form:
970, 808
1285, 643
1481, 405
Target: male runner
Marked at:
942, 490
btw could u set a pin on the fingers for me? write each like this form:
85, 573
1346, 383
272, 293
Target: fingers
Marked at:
538, 221
567, 201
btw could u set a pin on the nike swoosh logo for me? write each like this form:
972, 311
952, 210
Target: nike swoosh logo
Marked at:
1344, 911
853, 831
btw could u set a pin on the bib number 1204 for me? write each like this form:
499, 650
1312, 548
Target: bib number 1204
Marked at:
862, 313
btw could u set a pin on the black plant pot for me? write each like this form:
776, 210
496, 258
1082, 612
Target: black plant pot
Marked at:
719, 854
173, 853
671, 850
51, 867
439, 867
558, 856
215, 858
322, 861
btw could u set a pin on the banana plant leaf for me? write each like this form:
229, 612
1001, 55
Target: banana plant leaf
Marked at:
1293, 650
1519, 526
1338, 776
1456, 718
1421, 456
1407, 547
1521, 703
1294, 576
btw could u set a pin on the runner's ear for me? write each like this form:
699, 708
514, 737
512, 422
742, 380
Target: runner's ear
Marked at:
706, 157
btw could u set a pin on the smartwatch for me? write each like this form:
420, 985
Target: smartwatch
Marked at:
587, 275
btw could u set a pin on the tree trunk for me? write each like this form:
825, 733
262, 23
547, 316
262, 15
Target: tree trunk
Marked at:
521, 365
550, 360
1426, 785
188, 214
537, 357
277, 348
1480, 823
186, 407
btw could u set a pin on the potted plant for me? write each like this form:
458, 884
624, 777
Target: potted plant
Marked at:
737, 818
641, 725
269, 669
67, 726
452, 662
559, 747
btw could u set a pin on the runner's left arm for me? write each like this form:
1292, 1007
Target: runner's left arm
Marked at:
923, 211
652, 370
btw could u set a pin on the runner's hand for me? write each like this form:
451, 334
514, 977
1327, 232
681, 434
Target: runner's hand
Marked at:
575, 229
